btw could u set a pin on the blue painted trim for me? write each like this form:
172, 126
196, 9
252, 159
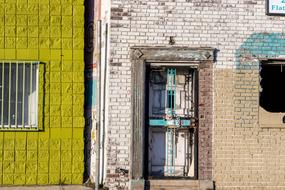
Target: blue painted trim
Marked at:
165, 123
90, 93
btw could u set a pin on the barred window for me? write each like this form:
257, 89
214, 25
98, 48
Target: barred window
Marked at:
18, 95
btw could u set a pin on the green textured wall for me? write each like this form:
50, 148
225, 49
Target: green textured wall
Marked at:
51, 31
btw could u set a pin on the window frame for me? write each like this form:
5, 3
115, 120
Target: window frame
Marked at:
35, 102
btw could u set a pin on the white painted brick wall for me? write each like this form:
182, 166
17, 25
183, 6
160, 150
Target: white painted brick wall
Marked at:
221, 24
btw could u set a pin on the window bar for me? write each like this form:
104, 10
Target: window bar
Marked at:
16, 102
174, 91
2, 106
171, 92
9, 97
23, 97
193, 102
37, 95
31, 91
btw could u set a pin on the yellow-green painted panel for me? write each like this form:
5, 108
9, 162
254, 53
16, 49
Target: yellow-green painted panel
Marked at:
52, 32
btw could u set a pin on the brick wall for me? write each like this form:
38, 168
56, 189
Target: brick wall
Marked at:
244, 154
205, 108
52, 32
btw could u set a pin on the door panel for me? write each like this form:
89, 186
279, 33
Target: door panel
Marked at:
172, 112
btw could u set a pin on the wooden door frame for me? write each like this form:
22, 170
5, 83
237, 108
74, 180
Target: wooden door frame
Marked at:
140, 57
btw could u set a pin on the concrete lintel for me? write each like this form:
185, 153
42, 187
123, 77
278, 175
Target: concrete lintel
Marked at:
172, 53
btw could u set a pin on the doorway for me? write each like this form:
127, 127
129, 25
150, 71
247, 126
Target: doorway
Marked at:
172, 96
150, 129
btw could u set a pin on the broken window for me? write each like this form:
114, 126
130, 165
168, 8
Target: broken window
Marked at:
272, 93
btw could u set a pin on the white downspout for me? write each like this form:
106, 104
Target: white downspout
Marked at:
106, 8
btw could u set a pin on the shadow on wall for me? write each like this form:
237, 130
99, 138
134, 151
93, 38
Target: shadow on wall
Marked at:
43, 67
90, 83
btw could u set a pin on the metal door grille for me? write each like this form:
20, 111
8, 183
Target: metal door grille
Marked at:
19, 95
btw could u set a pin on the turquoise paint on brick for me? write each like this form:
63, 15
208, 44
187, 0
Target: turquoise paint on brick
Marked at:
257, 47
260, 46
265, 45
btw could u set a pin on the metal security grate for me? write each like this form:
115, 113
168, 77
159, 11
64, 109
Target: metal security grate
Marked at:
18, 95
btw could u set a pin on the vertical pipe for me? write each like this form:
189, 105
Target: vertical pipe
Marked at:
23, 97
16, 102
104, 101
9, 97
3, 86
97, 179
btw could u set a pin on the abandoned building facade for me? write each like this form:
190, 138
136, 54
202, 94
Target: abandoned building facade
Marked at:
192, 94
135, 94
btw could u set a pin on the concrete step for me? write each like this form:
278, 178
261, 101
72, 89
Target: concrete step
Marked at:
167, 184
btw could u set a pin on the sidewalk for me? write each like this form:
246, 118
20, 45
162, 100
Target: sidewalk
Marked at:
58, 187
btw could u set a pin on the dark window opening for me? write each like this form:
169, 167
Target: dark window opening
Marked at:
170, 99
272, 93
